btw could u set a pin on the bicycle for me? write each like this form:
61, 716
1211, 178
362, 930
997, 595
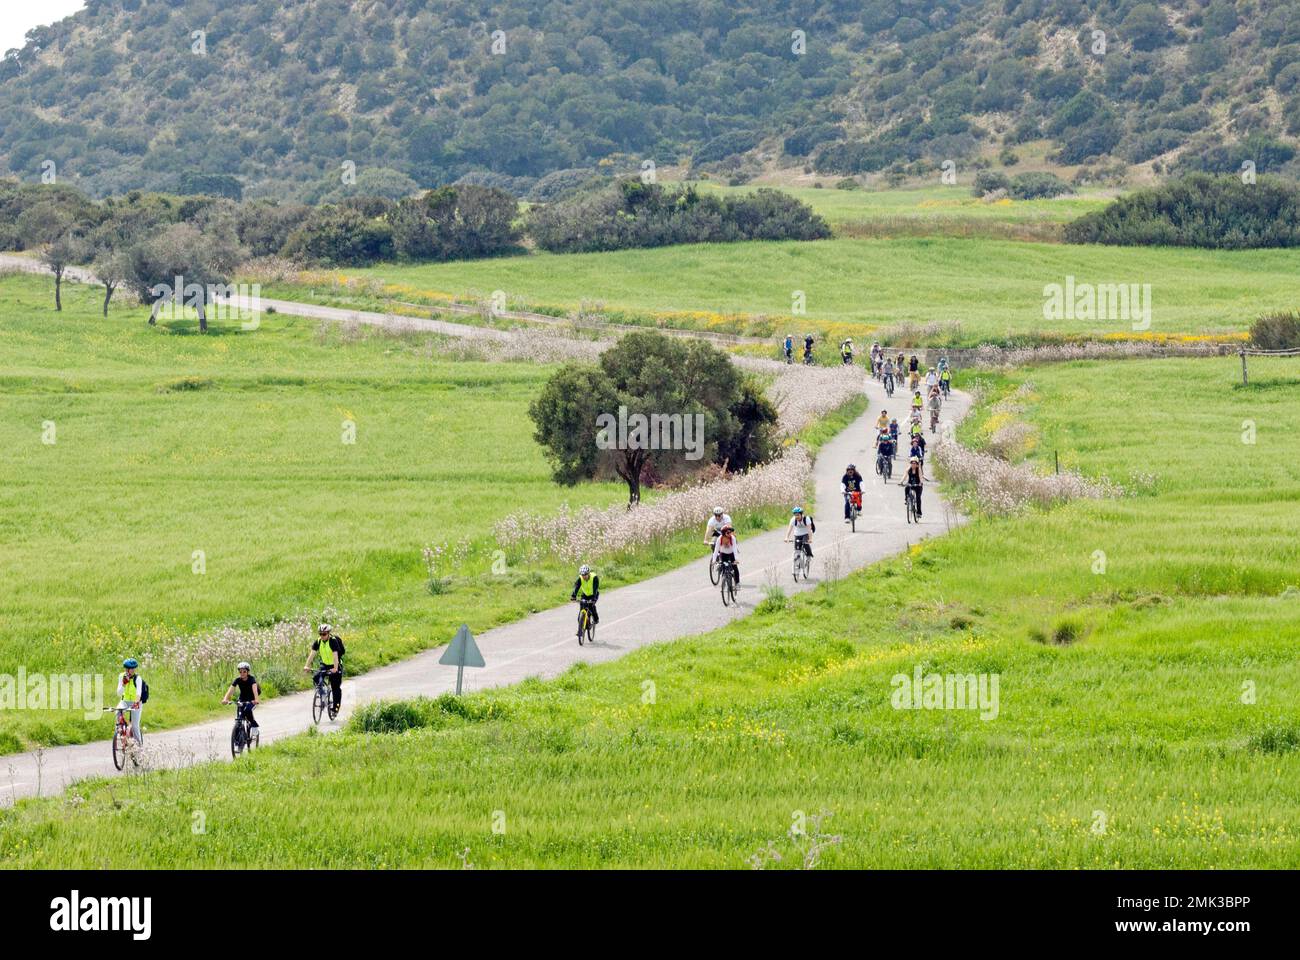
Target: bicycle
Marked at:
586, 622
727, 582
909, 497
889, 384
943, 385
934, 419
322, 703
884, 466
802, 562
243, 737
854, 499
125, 742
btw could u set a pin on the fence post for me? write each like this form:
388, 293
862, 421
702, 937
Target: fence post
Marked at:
1243, 366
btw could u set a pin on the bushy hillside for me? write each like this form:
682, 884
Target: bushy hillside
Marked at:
277, 96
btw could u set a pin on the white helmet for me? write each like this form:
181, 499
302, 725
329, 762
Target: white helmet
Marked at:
584, 570
245, 665
717, 511
324, 629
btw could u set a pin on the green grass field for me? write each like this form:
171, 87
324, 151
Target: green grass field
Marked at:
933, 206
993, 289
167, 443
1146, 714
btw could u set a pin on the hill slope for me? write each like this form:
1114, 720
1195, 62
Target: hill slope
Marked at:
276, 96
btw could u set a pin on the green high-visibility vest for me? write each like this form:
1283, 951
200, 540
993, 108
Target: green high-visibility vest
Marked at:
130, 688
326, 652
587, 586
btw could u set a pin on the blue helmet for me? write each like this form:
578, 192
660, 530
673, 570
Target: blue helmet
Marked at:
130, 663
797, 510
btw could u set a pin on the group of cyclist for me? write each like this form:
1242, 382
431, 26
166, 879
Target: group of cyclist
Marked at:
327, 651
720, 534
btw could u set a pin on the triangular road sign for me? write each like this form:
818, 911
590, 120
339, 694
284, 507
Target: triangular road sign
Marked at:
463, 651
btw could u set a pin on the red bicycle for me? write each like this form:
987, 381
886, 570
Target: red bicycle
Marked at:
124, 740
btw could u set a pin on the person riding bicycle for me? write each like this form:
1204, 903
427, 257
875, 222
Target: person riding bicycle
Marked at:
913, 364
846, 350
788, 347
586, 590
943, 363
913, 482
807, 347
893, 431
802, 527
851, 487
715, 525
918, 448
887, 370
726, 550
886, 445
936, 401
329, 648
917, 402
249, 691
882, 421
945, 376
131, 694
932, 379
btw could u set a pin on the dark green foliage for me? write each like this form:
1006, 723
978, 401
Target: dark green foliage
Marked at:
453, 223
636, 214
651, 374
1198, 211
340, 236
1276, 331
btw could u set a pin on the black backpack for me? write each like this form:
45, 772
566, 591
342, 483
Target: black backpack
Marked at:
144, 690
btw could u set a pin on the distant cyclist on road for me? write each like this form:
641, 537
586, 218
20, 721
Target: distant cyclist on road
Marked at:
851, 487
586, 590
801, 528
330, 650
248, 690
846, 351
726, 549
807, 348
131, 694
788, 347
913, 482
714, 527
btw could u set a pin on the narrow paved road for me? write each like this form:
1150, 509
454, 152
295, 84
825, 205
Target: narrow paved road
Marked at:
676, 604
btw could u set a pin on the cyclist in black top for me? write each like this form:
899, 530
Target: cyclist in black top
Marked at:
330, 649
249, 691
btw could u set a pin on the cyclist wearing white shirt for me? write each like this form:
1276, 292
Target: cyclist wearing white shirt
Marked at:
715, 525
726, 549
131, 695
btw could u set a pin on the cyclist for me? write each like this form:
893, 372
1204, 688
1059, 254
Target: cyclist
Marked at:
936, 402
913, 364
882, 421
807, 348
131, 694
945, 377
330, 649
886, 446
588, 585
846, 351
726, 550
249, 691
918, 448
715, 525
789, 348
917, 402
913, 482
851, 487
888, 370
931, 379
802, 527
893, 431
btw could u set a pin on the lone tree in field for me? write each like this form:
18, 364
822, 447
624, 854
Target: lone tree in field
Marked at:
652, 406
53, 229
152, 264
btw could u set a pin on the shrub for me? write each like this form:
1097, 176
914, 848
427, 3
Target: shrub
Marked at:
1198, 211
1034, 186
1276, 331
989, 181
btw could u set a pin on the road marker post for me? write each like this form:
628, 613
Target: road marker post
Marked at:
461, 653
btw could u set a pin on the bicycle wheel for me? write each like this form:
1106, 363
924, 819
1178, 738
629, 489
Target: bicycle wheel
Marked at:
911, 507
582, 625
119, 749
317, 705
853, 520
713, 571
237, 739
731, 587
725, 579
